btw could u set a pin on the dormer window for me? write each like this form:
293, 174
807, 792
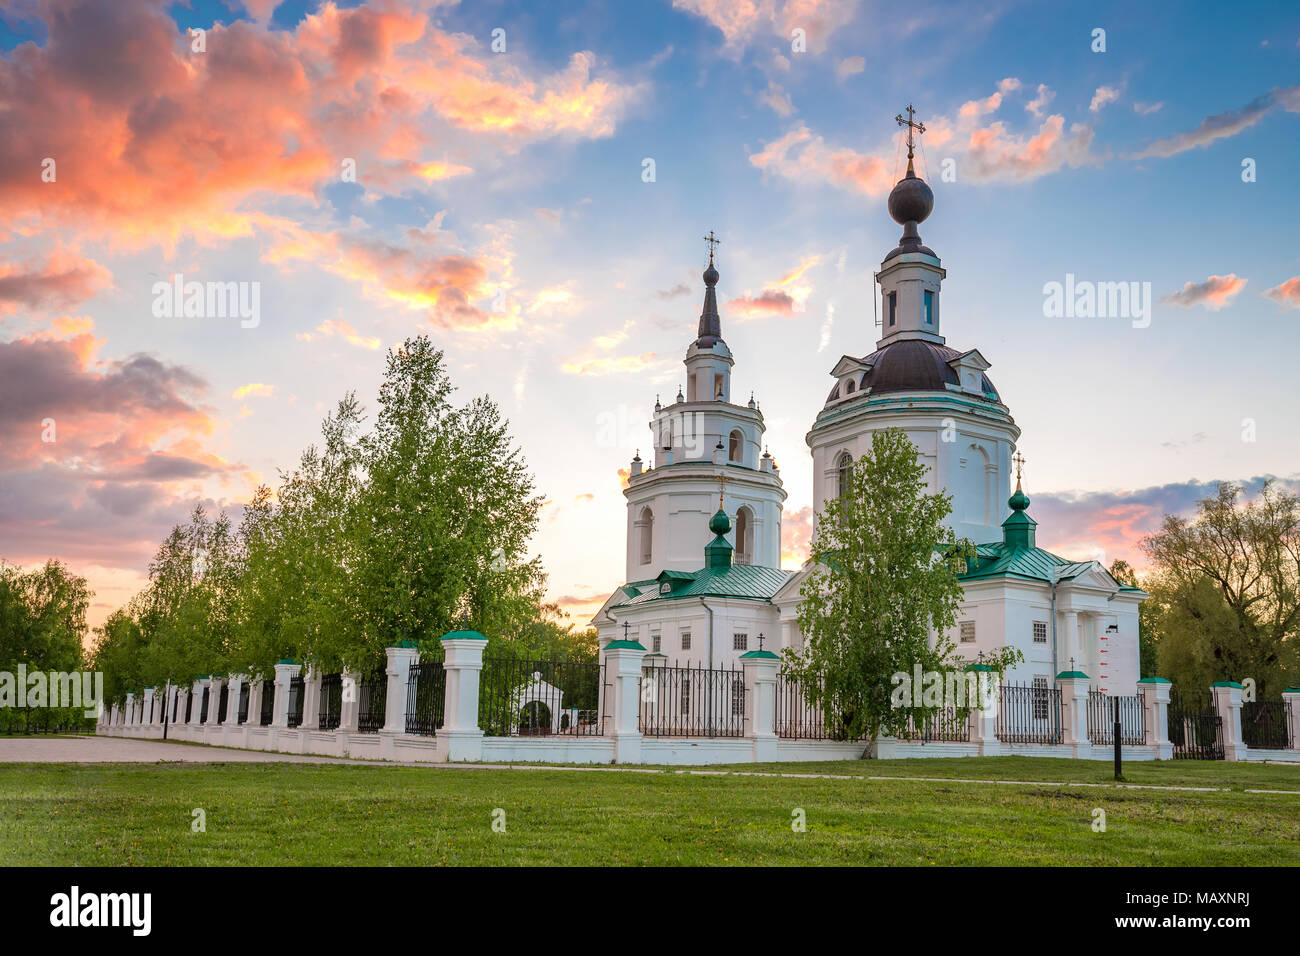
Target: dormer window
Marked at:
929, 307
850, 387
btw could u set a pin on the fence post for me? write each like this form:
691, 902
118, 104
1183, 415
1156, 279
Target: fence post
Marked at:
400, 659
1291, 701
1154, 692
214, 701
1227, 701
1074, 712
254, 701
984, 720
350, 710
130, 709
760, 669
196, 701
148, 707
623, 663
235, 687
463, 663
285, 671
310, 701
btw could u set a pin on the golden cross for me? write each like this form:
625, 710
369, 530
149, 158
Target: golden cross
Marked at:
1019, 459
722, 481
712, 240
919, 127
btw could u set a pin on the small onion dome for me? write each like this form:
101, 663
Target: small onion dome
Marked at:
720, 523
657, 405
710, 274
911, 200
680, 398
751, 400
638, 455
1018, 501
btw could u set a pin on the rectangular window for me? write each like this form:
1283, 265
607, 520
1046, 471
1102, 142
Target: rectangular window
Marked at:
929, 307
968, 632
1040, 632
1040, 697
740, 642
686, 640
893, 306
654, 640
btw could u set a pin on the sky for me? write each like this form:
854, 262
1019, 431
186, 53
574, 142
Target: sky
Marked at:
529, 184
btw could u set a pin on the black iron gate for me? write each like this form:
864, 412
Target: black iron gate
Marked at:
1195, 728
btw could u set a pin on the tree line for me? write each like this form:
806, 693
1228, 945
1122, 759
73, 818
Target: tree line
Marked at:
401, 531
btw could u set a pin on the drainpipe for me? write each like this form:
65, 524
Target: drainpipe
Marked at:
1055, 669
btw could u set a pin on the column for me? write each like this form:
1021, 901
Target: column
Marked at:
232, 699
463, 662
400, 660
1227, 701
311, 701
196, 701
148, 706
1291, 702
285, 671
984, 710
255, 686
623, 663
114, 713
130, 709
760, 668
214, 701
1070, 636
1074, 688
350, 709
1154, 692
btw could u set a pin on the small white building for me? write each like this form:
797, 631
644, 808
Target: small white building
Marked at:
704, 590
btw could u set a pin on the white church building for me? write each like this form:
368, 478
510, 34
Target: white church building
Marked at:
704, 577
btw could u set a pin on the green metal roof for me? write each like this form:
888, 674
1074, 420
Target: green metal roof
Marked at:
998, 560
746, 581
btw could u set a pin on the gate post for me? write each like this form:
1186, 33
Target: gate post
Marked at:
1154, 692
285, 671
400, 659
236, 685
254, 718
760, 669
196, 701
349, 710
130, 707
1227, 701
148, 707
984, 719
1074, 689
1291, 701
623, 662
463, 663
214, 702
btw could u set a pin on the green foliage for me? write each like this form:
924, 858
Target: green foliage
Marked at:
42, 617
1225, 591
884, 579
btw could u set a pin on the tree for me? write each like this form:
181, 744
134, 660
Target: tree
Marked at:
883, 579
1226, 587
42, 617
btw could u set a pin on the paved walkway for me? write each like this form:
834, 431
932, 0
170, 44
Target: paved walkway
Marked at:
61, 749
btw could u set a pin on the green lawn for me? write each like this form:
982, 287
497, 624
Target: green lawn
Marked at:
138, 814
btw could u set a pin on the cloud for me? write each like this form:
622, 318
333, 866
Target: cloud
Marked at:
259, 389
796, 536
743, 21
679, 289
1214, 293
768, 302
1225, 124
61, 280
1040, 102
777, 99
1146, 109
993, 154
803, 156
332, 327
850, 66
1287, 294
1103, 96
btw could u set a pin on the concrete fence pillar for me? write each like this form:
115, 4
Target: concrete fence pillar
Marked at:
285, 671
196, 702
624, 660
1291, 704
130, 709
148, 707
1154, 692
984, 710
350, 707
311, 700
760, 669
1227, 701
114, 716
398, 670
236, 685
214, 701
1074, 687
255, 685
463, 663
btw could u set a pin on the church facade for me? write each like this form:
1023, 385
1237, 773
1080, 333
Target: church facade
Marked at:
705, 583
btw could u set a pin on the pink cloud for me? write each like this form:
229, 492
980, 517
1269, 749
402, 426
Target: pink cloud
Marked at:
1214, 293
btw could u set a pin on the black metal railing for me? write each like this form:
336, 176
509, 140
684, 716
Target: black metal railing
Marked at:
268, 703
331, 702
1195, 728
1101, 719
692, 702
1264, 725
944, 724
426, 692
297, 689
372, 700
242, 712
1029, 714
796, 717
223, 701
520, 697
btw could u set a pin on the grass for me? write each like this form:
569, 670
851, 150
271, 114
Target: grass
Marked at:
331, 815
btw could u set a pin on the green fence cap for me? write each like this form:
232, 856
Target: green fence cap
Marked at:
624, 645
760, 655
1154, 680
1226, 683
1072, 675
463, 635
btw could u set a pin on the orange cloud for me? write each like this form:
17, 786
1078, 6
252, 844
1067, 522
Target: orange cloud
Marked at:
1214, 293
768, 302
61, 280
1286, 294
803, 156
796, 536
742, 21
344, 331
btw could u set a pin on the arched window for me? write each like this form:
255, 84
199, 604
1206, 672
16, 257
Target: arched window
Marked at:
844, 473
647, 524
850, 387
744, 536
737, 446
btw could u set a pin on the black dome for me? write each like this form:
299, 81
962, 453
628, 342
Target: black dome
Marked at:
911, 200
912, 365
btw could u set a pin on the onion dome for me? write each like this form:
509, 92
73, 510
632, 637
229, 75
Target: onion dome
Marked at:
720, 523
710, 329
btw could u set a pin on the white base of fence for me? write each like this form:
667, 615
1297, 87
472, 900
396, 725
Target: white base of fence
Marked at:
670, 751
